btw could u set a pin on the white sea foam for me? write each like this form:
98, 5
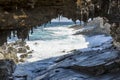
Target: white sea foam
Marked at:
55, 41
56, 47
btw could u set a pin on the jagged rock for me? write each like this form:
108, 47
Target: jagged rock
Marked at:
22, 50
24, 56
12, 50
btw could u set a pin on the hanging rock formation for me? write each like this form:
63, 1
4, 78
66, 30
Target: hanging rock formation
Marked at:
109, 10
26, 14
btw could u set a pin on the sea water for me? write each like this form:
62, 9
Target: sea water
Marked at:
53, 40
57, 39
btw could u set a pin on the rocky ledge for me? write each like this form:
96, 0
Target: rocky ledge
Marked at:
96, 63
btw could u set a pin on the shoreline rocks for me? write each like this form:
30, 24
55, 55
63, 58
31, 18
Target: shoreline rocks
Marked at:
14, 50
10, 55
94, 27
91, 64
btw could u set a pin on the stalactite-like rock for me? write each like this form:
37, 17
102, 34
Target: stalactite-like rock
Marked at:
29, 13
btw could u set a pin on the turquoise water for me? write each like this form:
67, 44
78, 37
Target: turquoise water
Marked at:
46, 33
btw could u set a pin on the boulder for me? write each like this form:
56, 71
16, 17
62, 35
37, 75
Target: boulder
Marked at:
22, 50
20, 43
27, 47
24, 56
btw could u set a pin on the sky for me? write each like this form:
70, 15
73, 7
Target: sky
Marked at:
62, 19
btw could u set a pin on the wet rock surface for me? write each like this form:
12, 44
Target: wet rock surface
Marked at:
98, 63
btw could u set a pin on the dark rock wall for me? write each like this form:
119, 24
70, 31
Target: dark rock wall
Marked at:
36, 12
7, 67
16, 18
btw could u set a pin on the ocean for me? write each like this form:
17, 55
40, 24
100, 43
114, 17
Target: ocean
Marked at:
53, 40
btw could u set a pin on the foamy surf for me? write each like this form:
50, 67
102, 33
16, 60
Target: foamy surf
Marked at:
55, 41
62, 42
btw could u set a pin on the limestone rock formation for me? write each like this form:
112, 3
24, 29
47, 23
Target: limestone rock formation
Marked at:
21, 16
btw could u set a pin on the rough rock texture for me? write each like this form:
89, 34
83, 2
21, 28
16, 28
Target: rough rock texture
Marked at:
16, 16
26, 13
10, 55
24, 19
115, 33
21, 16
16, 51
98, 63
94, 27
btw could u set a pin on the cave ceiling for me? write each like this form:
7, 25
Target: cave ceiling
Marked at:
24, 15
